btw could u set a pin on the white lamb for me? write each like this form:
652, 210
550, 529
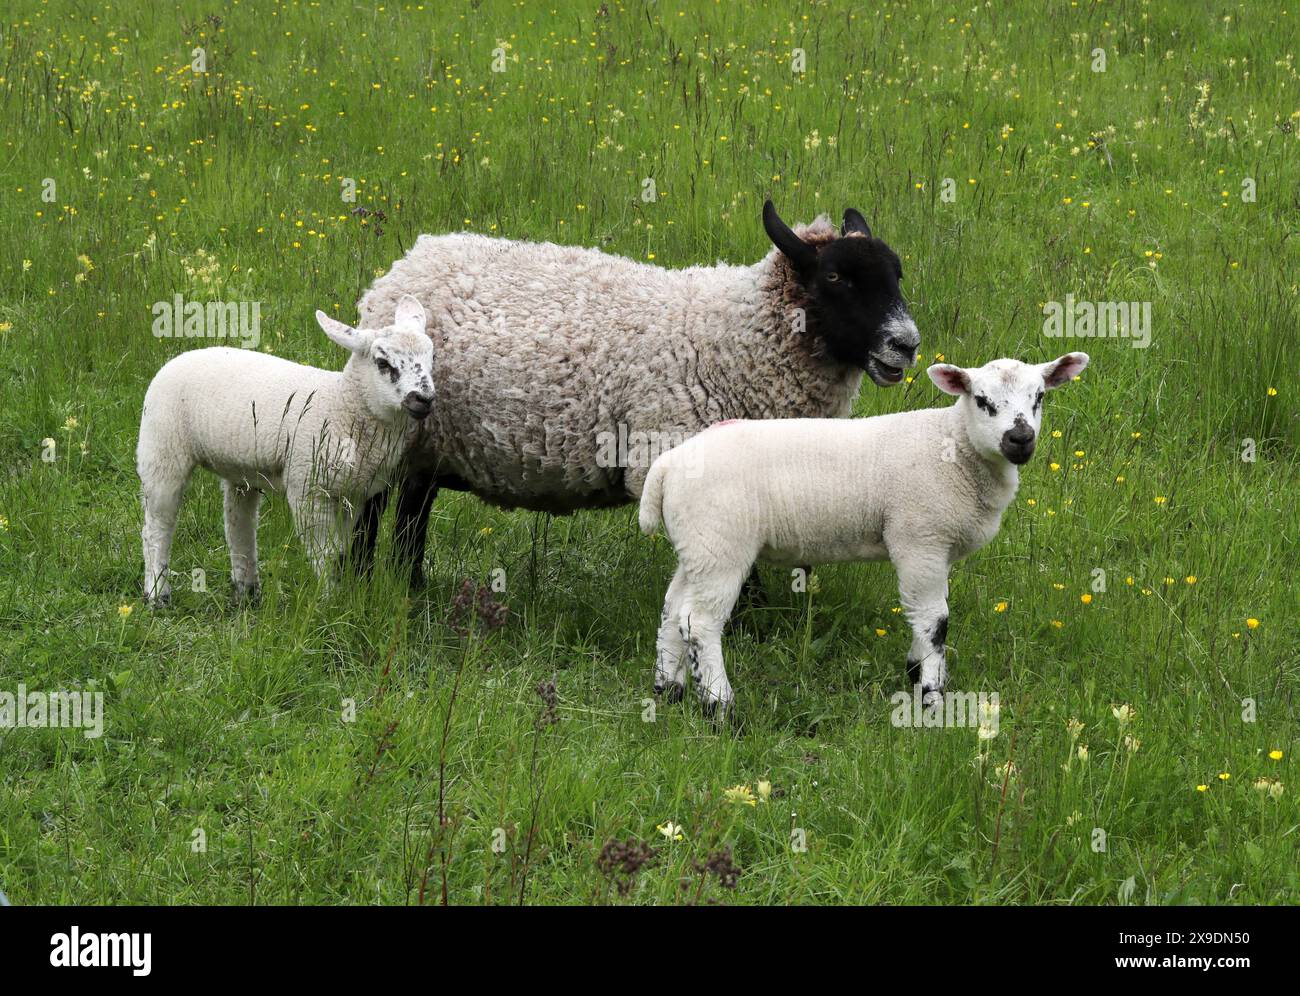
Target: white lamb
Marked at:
327, 439
922, 489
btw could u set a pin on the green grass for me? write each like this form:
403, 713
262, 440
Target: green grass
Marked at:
1105, 185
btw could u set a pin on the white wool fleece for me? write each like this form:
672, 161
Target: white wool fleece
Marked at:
921, 489
327, 439
542, 348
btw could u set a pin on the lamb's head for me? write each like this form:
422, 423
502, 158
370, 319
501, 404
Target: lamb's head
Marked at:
393, 366
855, 305
1002, 401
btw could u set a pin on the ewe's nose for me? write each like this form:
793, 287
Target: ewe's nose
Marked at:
417, 404
902, 335
1018, 442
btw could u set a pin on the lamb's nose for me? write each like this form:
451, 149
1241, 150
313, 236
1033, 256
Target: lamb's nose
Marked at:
1018, 443
419, 405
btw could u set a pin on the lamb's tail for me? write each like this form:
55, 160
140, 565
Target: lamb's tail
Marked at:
652, 498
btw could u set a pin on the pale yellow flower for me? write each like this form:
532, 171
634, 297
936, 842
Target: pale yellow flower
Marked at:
741, 795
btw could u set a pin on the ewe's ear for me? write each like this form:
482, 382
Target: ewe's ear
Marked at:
949, 379
410, 313
854, 224
800, 254
357, 341
1063, 369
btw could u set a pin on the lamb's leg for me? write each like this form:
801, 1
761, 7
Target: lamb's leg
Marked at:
366, 532
923, 590
241, 505
706, 605
670, 648
324, 525
414, 502
163, 489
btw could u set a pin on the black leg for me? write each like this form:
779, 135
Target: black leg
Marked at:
414, 501
365, 533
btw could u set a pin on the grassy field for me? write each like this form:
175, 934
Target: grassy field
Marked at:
355, 747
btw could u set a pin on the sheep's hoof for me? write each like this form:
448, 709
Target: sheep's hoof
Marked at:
417, 581
675, 690
163, 600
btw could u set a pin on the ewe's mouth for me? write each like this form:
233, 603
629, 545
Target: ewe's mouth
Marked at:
884, 374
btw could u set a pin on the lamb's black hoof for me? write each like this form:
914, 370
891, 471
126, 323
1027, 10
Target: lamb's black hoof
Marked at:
417, 581
675, 691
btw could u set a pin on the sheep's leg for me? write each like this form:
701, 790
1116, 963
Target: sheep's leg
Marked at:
241, 504
161, 494
414, 501
670, 648
366, 533
324, 525
923, 590
707, 603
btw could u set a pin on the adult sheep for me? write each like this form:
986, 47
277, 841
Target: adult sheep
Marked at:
562, 371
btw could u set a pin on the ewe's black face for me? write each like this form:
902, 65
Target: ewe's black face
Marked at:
857, 308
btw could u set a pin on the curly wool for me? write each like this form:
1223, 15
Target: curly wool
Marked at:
543, 350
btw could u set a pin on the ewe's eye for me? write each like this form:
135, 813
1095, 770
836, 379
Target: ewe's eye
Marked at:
833, 277
985, 404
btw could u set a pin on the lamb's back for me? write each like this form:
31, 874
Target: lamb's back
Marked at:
232, 408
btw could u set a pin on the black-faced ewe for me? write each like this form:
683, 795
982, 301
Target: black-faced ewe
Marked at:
922, 489
327, 439
562, 372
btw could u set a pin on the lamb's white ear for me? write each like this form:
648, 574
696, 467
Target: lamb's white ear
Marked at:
410, 313
355, 340
1063, 369
949, 379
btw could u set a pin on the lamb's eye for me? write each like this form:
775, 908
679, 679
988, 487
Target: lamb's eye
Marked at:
386, 368
985, 404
